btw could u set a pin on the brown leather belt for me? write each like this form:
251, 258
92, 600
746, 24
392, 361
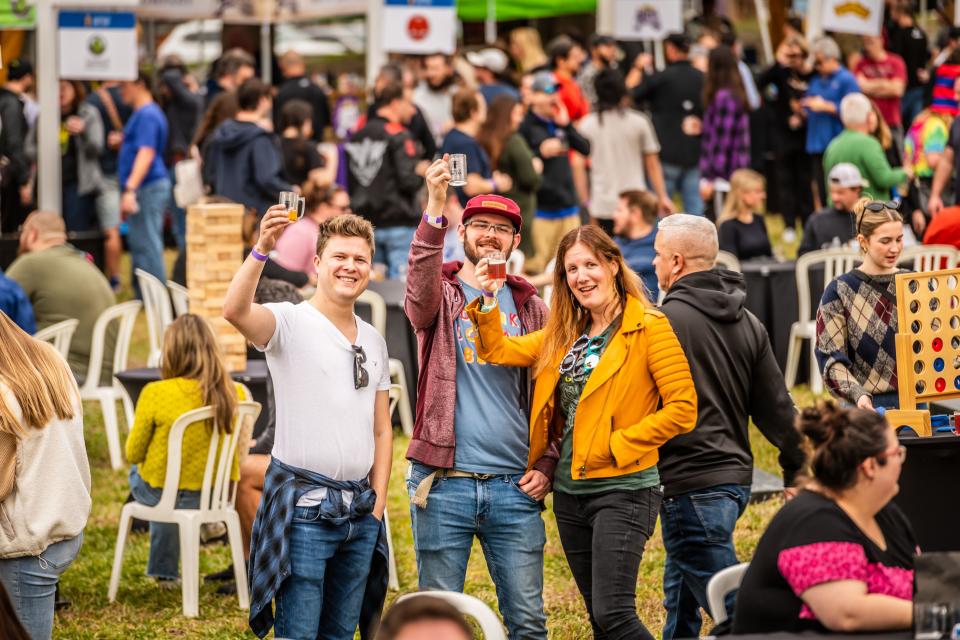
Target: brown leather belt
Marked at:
423, 489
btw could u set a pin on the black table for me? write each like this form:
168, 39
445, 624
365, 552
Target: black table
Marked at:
876, 635
88, 241
254, 377
401, 340
926, 490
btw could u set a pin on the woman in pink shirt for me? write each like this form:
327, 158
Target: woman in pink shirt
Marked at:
298, 245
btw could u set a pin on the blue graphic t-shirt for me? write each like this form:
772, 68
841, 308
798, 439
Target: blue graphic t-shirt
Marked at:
490, 418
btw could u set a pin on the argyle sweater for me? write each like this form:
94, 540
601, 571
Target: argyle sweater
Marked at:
856, 326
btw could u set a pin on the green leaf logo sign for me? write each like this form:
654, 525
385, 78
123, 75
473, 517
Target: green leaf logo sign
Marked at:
19, 7
96, 45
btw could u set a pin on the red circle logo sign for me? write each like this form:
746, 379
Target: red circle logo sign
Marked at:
418, 27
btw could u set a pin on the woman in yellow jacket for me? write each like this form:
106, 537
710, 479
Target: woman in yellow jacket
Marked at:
193, 375
604, 362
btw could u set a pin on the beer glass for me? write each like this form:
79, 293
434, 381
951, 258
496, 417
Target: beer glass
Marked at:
458, 170
496, 265
294, 204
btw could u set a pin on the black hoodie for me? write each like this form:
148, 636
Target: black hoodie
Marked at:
243, 162
736, 377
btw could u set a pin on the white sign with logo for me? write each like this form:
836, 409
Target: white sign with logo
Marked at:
647, 19
419, 26
96, 45
862, 17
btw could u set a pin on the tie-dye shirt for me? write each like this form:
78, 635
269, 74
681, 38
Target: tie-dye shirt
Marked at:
928, 134
810, 542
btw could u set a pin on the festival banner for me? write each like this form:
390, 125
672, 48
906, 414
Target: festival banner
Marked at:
646, 19
862, 17
97, 45
419, 26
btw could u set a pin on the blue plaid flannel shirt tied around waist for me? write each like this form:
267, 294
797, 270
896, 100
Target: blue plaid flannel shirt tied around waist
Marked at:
269, 565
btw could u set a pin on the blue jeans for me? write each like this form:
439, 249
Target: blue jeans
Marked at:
508, 524
164, 537
79, 211
698, 537
329, 565
686, 182
393, 247
910, 105
31, 583
145, 230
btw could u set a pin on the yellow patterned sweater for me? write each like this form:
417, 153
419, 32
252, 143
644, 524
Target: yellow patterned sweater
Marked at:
159, 406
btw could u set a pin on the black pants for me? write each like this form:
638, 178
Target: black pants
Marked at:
819, 180
793, 179
603, 537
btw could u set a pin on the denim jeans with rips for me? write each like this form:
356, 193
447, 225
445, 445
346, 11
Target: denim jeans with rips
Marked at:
698, 537
329, 566
507, 523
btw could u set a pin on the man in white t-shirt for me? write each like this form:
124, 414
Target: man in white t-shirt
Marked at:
325, 492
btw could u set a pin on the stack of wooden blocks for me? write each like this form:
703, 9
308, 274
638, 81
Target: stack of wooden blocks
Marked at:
214, 253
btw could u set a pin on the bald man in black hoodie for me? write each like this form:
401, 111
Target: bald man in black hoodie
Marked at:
707, 473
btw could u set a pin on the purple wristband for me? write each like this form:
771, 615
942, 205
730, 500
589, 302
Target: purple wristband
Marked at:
258, 256
430, 219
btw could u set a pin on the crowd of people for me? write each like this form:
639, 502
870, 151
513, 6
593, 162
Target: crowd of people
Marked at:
627, 395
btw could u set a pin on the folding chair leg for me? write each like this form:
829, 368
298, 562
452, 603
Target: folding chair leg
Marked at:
392, 582
239, 564
126, 521
816, 380
399, 376
793, 359
108, 406
190, 568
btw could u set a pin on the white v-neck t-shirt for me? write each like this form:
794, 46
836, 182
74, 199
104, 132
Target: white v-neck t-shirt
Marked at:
323, 424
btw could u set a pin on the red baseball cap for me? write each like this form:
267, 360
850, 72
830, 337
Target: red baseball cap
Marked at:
494, 205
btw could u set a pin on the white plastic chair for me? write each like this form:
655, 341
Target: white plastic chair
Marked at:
180, 298
727, 260
398, 374
834, 262
720, 190
156, 303
60, 335
468, 605
217, 499
930, 257
721, 584
396, 392
515, 262
126, 315
548, 289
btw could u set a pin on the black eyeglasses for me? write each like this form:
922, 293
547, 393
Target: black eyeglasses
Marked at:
361, 377
876, 206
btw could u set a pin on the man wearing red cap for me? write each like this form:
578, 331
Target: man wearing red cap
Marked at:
470, 476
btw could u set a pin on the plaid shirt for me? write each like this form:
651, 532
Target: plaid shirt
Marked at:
725, 142
269, 543
856, 325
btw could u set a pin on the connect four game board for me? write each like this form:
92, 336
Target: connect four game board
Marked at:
928, 344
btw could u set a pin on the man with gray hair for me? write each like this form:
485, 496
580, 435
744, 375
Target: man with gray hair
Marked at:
707, 473
831, 82
858, 147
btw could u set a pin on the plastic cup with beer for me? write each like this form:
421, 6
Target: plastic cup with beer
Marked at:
294, 204
496, 265
458, 170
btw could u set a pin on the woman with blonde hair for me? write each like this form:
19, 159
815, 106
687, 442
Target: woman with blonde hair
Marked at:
193, 376
603, 364
44, 475
857, 318
741, 230
527, 49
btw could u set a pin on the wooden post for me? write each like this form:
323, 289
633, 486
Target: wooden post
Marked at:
214, 253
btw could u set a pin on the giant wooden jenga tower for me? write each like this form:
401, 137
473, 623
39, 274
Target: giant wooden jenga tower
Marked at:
214, 253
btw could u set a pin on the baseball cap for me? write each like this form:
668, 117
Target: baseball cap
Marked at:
493, 205
492, 59
544, 82
846, 174
19, 69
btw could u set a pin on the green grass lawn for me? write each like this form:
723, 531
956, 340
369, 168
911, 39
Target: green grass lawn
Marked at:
144, 611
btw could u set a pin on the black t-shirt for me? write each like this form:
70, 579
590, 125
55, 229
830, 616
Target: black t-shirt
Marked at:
745, 241
672, 95
910, 43
812, 541
300, 157
825, 225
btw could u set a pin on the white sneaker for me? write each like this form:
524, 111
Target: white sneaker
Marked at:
789, 235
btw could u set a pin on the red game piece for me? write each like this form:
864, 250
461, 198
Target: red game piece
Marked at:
937, 344
940, 384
